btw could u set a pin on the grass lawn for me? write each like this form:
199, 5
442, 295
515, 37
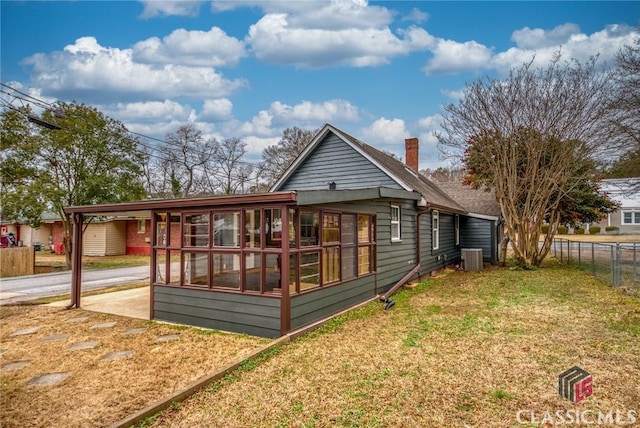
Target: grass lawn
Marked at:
57, 261
464, 348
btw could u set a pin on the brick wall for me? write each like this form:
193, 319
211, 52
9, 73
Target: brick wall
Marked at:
138, 242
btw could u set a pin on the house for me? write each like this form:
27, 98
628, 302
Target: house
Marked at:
103, 236
482, 227
345, 224
626, 191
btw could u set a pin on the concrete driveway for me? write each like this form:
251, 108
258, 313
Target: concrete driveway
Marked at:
133, 303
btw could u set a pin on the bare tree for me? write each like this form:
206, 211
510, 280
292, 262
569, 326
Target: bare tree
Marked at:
530, 138
277, 158
184, 160
233, 172
625, 102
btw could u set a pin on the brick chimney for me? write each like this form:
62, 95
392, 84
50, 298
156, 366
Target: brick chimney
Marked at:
411, 149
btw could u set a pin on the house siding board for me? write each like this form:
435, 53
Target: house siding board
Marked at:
315, 305
395, 259
334, 160
478, 233
94, 240
240, 313
115, 235
447, 253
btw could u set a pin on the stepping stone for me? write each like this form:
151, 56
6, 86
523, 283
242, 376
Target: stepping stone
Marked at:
54, 338
133, 331
167, 337
77, 319
83, 345
15, 365
116, 355
104, 325
48, 379
25, 331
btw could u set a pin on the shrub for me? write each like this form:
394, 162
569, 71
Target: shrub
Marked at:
578, 231
563, 230
614, 229
594, 230
545, 229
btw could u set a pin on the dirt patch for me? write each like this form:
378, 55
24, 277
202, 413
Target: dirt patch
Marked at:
100, 391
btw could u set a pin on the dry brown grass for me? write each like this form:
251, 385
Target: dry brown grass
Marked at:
600, 238
467, 348
98, 392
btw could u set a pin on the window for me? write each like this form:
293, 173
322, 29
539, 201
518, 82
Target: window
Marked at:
252, 228
196, 269
631, 217
225, 270
395, 223
141, 225
457, 226
309, 225
365, 234
349, 247
241, 250
435, 219
226, 229
196, 230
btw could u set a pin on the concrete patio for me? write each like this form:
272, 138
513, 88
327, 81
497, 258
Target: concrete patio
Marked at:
133, 303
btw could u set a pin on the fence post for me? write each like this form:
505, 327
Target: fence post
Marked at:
618, 266
561, 259
579, 250
568, 251
613, 270
635, 264
593, 260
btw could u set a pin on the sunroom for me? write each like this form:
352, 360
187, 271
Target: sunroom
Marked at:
262, 264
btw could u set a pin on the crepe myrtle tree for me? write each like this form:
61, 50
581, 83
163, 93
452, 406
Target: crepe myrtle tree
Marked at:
91, 159
532, 138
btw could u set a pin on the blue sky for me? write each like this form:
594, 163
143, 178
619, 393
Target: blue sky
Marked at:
379, 70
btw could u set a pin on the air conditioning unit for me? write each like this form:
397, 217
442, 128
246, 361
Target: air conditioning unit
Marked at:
472, 258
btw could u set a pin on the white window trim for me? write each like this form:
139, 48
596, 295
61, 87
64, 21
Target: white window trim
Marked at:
435, 227
398, 222
633, 212
142, 225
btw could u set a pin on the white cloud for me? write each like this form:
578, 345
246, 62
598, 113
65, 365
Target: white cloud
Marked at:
148, 112
384, 132
417, 16
211, 48
528, 38
153, 8
91, 72
455, 94
339, 33
308, 112
450, 56
255, 145
218, 109
430, 123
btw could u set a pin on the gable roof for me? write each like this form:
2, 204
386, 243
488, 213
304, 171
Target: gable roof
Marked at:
395, 169
482, 201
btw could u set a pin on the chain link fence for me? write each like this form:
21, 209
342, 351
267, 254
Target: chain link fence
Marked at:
614, 264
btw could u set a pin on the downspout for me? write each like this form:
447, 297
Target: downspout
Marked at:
388, 303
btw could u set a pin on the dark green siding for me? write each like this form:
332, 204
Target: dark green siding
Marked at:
447, 252
479, 233
310, 307
240, 313
334, 160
